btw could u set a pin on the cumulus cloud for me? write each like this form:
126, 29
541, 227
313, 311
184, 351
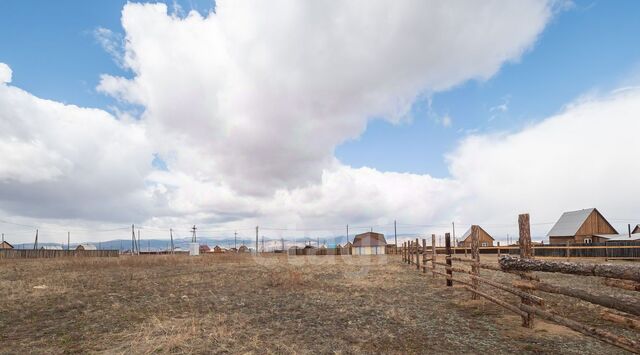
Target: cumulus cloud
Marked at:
5, 73
69, 162
267, 91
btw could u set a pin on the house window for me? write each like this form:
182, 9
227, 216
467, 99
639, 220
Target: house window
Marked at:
484, 244
587, 241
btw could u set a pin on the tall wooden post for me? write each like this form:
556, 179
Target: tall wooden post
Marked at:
417, 254
526, 252
404, 252
434, 253
475, 256
447, 244
424, 255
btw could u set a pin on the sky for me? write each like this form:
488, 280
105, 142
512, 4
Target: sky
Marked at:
304, 117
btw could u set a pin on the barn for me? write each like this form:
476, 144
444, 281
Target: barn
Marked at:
369, 243
581, 227
86, 247
5, 245
485, 239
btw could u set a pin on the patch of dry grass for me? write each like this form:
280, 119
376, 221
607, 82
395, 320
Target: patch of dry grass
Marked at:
238, 304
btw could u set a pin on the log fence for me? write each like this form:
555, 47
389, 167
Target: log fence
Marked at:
48, 253
526, 287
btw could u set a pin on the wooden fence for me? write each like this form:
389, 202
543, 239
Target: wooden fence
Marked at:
619, 310
609, 250
44, 253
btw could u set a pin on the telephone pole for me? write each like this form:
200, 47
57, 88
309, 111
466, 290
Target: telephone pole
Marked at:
171, 235
35, 244
395, 235
68, 240
347, 234
263, 243
453, 226
235, 240
193, 235
133, 239
256, 239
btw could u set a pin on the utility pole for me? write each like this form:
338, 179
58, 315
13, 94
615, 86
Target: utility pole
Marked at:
263, 243
235, 240
193, 235
256, 239
282, 240
35, 244
453, 227
68, 240
347, 234
318, 242
171, 235
133, 239
138, 241
395, 235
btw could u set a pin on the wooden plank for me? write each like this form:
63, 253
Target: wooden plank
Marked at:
603, 335
475, 256
510, 307
434, 253
447, 243
614, 271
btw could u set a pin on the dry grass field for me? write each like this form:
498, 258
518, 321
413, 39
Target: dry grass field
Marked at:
240, 304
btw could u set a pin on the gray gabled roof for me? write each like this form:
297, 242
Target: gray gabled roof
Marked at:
467, 234
569, 223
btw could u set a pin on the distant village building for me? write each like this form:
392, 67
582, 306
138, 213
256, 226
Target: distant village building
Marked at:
636, 230
485, 239
51, 247
583, 227
369, 243
218, 250
243, 249
204, 248
5, 245
86, 247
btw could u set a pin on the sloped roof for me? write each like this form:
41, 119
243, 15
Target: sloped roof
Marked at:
87, 246
467, 234
7, 243
369, 239
636, 229
569, 223
620, 237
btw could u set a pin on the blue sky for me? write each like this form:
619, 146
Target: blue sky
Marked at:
592, 46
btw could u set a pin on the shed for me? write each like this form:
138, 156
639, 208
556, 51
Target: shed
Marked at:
485, 239
636, 230
583, 226
51, 247
369, 243
5, 245
86, 247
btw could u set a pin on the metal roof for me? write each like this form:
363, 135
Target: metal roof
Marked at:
620, 237
569, 223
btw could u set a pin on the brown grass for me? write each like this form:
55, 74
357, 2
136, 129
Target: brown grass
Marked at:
238, 304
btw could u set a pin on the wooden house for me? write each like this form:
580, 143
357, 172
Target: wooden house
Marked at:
582, 227
485, 239
5, 245
218, 250
204, 248
636, 230
369, 243
86, 247
243, 249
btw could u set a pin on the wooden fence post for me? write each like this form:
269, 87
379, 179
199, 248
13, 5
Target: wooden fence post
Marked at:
402, 250
434, 253
410, 252
525, 253
475, 256
417, 254
424, 255
447, 244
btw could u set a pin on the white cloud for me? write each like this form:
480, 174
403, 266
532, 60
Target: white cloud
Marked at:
112, 43
267, 91
447, 121
5, 73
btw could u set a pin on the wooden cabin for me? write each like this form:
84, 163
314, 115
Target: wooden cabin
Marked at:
369, 243
204, 248
86, 247
218, 250
5, 245
582, 227
243, 249
636, 230
484, 238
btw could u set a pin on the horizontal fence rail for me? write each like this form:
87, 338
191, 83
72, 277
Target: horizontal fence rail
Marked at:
46, 253
623, 310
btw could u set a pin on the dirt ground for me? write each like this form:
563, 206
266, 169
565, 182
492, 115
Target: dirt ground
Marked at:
242, 304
